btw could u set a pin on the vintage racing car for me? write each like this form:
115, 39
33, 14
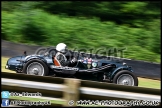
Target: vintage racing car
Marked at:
97, 69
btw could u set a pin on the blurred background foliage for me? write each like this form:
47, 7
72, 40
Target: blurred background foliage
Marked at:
84, 24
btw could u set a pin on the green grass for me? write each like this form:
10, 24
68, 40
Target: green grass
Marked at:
143, 82
149, 83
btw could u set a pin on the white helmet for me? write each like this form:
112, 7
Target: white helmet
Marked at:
61, 47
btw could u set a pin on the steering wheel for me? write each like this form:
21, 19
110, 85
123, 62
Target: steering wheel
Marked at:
77, 59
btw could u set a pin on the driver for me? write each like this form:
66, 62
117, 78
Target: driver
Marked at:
60, 59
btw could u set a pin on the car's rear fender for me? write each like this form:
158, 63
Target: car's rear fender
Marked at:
119, 69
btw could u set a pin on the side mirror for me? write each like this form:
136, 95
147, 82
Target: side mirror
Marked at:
25, 53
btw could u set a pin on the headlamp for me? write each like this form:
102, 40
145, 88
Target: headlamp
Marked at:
94, 64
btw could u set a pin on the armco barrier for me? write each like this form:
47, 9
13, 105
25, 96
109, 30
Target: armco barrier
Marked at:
70, 91
141, 68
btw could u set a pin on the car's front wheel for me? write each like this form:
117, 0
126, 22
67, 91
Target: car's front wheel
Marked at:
36, 67
125, 77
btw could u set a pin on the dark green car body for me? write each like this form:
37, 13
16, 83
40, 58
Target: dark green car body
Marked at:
99, 70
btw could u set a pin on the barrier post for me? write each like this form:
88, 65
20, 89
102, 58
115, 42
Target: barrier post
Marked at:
71, 92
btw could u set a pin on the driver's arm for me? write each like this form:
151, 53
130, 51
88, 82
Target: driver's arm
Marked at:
63, 61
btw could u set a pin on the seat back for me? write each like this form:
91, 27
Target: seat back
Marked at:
56, 62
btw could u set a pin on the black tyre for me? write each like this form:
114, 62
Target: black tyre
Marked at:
125, 77
41, 51
36, 67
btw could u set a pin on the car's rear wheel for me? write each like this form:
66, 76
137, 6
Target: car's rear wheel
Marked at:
125, 77
36, 67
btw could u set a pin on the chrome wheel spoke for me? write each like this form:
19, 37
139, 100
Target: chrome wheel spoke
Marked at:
125, 79
35, 68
